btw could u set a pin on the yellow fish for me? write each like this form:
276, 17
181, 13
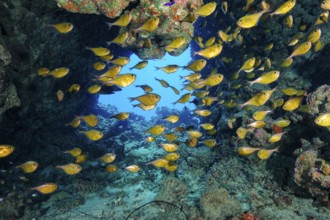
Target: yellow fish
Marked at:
91, 119
203, 113
194, 134
159, 163
247, 151
156, 130
206, 9
63, 28
242, 132
99, 51
248, 5
249, 21
169, 68
29, 166
269, 46
288, 21
133, 168
70, 168
172, 156
108, 158
224, 7
192, 142
266, 78
257, 124
210, 142
43, 71
147, 99
213, 80
121, 116
314, 35
302, 49
74, 152
284, 8
289, 91
196, 66
171, 136
264, 154
74, 123
318, 46
210, 52
140, 65
145, 88
231, 122
323, 120
81, 158
293, 103
120, 61
183, 99
171, 167
107, 57
175, 90
5, 150
111, 168
323, 18
200, 94
163, 82
276, 137
93, 135
74, 88
247, 65
122, 80
259, 115
122, 21
94, 89
119, 40
175, 44
287, 62
46, 188
210, 42
325, 4
59, 72
60, 95
150, 139
207, 101
112, 72
99, 66
150, 25
260, 98
172, 118
207, 126
282, 123
169, 147
145, 107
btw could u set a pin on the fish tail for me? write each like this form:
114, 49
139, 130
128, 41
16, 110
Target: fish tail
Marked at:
242, 105
131, 99
265, 7
108, 43
196, 53
250, 83
109, 25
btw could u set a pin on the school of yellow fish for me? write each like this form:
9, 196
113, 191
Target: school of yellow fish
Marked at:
260, 70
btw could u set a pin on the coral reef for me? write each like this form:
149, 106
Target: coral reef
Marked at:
217, 204
109, 8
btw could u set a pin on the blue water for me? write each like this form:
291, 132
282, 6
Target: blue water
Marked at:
147, 76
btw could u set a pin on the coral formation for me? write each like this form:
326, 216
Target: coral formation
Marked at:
217, 204
109, 8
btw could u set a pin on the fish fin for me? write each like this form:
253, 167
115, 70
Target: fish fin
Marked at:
265, 6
